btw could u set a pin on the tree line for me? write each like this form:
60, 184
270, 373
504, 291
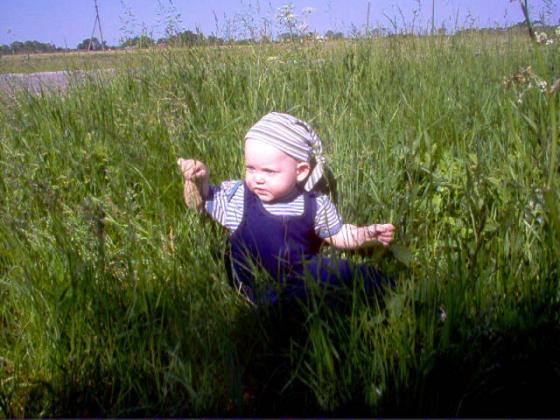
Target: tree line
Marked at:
19, 47
182, 39
189, 38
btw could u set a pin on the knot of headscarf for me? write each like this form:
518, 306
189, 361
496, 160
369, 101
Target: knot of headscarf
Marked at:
294, 137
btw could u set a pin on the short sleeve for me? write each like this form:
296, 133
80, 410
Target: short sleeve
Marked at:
224, 203
327, 219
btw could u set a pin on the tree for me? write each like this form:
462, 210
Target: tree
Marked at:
91, 44
142, 41
188, 38
28, 47
334, 35
214, 40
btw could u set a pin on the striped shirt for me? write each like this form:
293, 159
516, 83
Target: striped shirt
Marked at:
225, 205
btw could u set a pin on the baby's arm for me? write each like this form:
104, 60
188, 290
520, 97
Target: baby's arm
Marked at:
195, 174
352, 236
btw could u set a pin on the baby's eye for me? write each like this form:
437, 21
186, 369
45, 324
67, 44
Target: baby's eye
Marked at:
269, 171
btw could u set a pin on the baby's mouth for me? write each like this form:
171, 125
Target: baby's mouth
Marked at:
261, 192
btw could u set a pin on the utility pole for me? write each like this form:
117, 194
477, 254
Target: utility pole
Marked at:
367, 21
96, 22
433, 17
525, 8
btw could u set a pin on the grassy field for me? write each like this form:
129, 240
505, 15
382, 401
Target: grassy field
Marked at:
33, 63
113, 297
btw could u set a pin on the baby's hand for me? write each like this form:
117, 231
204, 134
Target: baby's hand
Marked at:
192, 170
381, 233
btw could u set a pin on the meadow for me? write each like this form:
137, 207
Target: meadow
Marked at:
114, 300
62, 61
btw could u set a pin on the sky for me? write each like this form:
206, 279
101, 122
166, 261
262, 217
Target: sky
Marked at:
66, 23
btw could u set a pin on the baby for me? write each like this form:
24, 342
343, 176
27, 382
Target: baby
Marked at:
277, 222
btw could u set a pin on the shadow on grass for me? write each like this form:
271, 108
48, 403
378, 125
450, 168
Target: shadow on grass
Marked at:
510, 373
266, 340
500, 374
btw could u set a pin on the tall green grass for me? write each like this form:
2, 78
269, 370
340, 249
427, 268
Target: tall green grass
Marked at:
114, 298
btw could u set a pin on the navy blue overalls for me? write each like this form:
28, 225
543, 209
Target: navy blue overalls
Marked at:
284, 250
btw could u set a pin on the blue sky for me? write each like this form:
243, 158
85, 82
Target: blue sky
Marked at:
66, 23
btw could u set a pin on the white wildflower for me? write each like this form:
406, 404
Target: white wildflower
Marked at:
525, 80
535, 208
541, 37
376, 389
286, 14
542, 85
442, 313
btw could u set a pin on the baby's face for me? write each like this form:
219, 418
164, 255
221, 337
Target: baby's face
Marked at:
270, 173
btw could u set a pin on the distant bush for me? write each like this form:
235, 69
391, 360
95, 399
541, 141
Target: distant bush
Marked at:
18, 47
92, 44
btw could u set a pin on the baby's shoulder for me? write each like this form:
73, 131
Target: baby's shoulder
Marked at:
231, 188
321, 198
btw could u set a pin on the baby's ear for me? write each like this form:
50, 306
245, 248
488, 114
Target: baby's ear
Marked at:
302, 171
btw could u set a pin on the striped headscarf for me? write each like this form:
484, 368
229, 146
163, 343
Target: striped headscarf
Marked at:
294, 137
